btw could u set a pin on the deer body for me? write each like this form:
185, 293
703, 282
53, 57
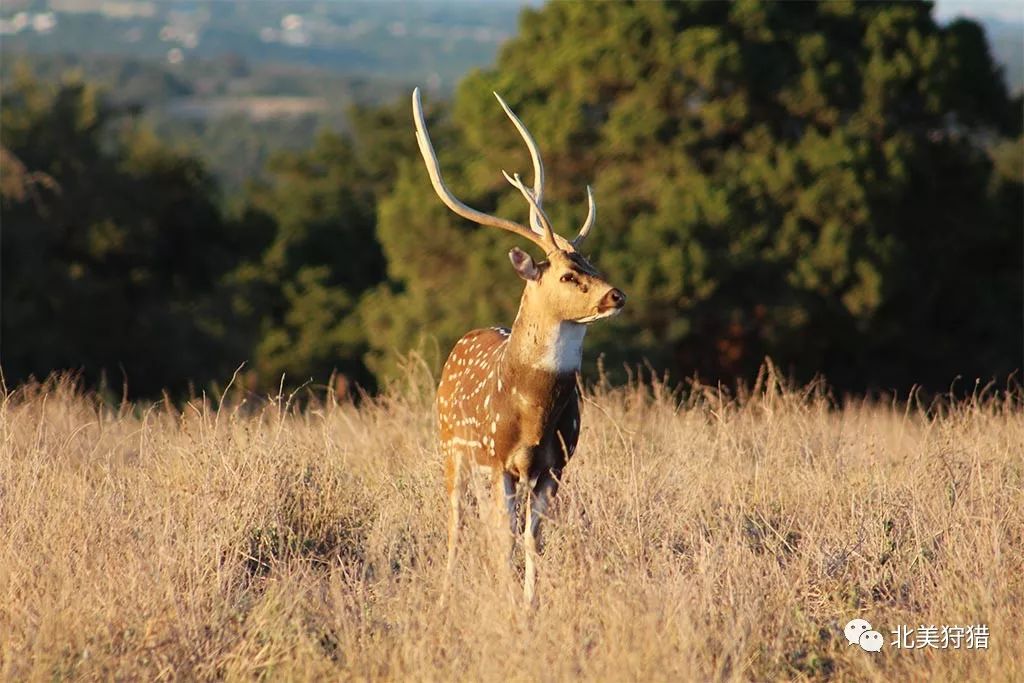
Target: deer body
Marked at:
508, 401
497, 412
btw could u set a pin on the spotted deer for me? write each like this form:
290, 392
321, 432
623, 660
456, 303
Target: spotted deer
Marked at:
508, 402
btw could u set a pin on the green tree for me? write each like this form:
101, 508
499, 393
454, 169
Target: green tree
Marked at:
304, 289
805, 180
109, 266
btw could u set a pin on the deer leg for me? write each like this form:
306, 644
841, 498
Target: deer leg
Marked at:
455, 480
538, 500
505, 504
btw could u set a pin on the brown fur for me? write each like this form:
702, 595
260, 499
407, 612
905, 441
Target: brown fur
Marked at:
508, 399
529, 425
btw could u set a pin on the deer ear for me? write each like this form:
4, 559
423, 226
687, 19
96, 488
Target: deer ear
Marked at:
523, 264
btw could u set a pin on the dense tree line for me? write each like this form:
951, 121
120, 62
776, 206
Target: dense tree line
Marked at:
805, 180
836, 185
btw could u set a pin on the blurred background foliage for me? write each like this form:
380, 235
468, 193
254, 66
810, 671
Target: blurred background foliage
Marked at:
837, 185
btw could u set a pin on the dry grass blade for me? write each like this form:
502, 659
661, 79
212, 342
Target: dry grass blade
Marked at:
308, 543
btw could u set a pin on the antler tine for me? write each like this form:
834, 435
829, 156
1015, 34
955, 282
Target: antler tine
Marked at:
538, 164
591, 218
542, 217
450, 200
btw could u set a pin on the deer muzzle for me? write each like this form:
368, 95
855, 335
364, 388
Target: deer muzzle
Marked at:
613, 300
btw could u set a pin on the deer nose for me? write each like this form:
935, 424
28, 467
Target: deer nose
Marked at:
613, 299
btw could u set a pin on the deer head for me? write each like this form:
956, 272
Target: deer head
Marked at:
564, 287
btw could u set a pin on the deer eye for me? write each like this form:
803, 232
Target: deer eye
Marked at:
569, 277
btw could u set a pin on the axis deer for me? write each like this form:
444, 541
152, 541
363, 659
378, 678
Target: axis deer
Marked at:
508, 401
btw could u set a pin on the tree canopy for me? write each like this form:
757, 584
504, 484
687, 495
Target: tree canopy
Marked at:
837, 185
107, 266
802, 180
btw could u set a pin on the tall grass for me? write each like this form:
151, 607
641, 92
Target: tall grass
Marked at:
711, 538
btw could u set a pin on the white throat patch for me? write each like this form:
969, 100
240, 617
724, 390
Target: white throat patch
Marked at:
564, 350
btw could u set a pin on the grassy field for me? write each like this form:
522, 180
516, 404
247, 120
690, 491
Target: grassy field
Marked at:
697, 536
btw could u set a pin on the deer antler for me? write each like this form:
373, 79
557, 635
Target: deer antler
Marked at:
589, 223
538, 166
538, 218
451, 201
537, 203
540, 231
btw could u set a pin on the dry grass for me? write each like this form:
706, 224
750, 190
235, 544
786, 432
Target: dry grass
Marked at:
714, 539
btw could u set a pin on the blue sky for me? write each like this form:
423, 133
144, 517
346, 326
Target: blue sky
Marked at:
1006, 10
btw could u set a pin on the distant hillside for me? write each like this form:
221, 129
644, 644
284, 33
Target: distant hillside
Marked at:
430, 42
232, 113
238, 80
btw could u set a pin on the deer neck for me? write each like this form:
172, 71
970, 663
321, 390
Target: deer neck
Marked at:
542, 343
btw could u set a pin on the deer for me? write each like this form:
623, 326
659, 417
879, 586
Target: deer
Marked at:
508, 400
